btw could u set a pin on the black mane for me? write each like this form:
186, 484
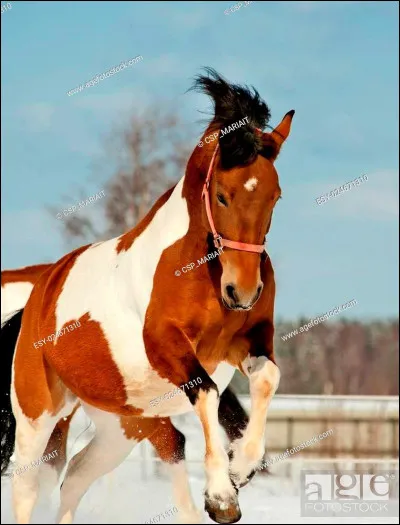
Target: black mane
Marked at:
231, 104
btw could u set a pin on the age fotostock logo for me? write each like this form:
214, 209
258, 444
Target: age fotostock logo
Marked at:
348, 494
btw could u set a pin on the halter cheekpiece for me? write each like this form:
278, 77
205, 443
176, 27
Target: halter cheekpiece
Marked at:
220, 242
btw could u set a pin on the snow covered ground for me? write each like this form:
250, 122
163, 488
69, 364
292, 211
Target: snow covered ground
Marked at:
138, 490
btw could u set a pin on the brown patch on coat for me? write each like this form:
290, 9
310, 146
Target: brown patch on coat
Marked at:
168, 441
139, 428
38, 387
186, 322
28, 274
80, 360
84, 363
58, 441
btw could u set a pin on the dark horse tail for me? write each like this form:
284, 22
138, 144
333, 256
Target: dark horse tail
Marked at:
9, 335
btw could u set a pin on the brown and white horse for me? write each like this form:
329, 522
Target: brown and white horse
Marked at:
145, 331
16, 287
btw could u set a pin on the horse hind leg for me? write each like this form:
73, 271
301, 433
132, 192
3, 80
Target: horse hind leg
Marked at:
169, 443
56, 449
110, 445
114, 439
31, 438
29, 414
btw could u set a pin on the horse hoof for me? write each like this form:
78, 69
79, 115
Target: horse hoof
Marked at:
222, 512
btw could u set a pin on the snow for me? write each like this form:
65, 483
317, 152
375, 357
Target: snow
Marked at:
139, 489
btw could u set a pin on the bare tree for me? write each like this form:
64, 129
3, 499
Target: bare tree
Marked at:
150, 156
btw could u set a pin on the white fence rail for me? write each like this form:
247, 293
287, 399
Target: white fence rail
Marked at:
365, 432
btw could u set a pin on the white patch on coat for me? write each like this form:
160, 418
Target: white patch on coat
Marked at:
251, 184
115, 289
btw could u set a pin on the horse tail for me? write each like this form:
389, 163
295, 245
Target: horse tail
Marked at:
9, 335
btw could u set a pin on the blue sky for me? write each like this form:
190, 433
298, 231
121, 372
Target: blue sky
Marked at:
335, 63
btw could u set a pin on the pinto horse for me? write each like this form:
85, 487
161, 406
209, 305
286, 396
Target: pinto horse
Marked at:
144, 330
16, 287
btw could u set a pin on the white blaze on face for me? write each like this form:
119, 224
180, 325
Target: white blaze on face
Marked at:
251, 184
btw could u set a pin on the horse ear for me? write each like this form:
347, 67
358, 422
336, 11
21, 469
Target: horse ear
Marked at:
281, 132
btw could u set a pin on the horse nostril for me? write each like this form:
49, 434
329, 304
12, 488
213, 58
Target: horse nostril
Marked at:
231, 293
259, 290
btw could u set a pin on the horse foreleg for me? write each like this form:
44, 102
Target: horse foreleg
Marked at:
247, 452
232, 416
175, 360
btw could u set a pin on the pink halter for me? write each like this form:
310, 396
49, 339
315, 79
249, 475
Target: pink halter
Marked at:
219, 242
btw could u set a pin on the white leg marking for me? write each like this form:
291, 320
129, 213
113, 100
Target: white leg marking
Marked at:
48, 478
188, 513
249, 450
106, 451
31, 438
218, 484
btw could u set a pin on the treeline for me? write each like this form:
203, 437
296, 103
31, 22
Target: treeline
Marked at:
337, 358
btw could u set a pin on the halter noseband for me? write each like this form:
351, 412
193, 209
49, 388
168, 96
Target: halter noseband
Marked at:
220, 242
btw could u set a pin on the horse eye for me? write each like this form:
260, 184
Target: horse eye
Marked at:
221, 199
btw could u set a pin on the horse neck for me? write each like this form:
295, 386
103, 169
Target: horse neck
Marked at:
179, 213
